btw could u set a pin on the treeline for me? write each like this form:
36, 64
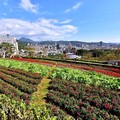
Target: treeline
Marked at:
102, 55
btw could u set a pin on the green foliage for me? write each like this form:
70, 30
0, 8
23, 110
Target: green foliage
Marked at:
56, 111
21, 45
97, 97
87, 77
99, 54
14, 110
82, 52
58, 56
78, 108
7, 47
31, 67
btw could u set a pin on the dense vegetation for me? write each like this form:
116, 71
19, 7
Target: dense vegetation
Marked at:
19, 84
27, 66
99, 55
6, 49
87, 77
84, 102
17, 110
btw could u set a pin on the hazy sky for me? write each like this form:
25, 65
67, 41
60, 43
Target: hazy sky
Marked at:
83, 20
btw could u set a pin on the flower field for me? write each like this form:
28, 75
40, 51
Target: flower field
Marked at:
84, 102
17, 110
18, 84
73, 94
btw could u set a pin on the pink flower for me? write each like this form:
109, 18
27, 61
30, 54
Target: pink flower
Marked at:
78, 113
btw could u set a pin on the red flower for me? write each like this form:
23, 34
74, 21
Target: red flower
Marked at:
107, 106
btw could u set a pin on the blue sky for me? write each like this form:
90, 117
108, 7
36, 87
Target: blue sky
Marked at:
83, 20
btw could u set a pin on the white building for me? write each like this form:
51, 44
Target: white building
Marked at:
72, 56
12, 40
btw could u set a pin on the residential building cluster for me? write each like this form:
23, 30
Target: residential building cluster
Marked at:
44, 50
53, 49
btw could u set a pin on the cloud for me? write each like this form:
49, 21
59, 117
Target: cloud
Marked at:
5, 3
66, 21
28, 6
76, 6
4, 14
42, 29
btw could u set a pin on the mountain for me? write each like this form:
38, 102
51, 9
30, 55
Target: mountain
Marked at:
74, 43
27, 40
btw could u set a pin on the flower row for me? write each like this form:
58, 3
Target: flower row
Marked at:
22, 72
21, 77
113, 69
35, 61
114, 74
78, 108
12, 92
101, 98
11, 109
108, 71
26, 66
87, 77
23, 86
56, 111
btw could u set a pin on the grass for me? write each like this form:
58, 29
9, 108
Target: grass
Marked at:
40, 94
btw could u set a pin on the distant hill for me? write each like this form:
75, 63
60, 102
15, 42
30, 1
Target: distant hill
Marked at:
75, 43
27, 40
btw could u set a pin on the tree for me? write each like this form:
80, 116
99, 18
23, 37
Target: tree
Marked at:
97, 53
7, 49
30, 50
73, 50
88, 56
39, 54
21, 45
82, 52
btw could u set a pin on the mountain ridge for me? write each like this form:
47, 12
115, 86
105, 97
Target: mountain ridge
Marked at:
76, 43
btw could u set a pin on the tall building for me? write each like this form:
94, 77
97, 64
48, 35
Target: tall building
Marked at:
101, 43
12, 40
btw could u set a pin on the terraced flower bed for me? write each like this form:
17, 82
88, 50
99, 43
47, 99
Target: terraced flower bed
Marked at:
113, 69
27, 77
49, 63
17, 110
104, 70
26, 66
84, 102
18, 83
87, 77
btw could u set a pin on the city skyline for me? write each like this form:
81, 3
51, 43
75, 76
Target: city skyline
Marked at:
76, 20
